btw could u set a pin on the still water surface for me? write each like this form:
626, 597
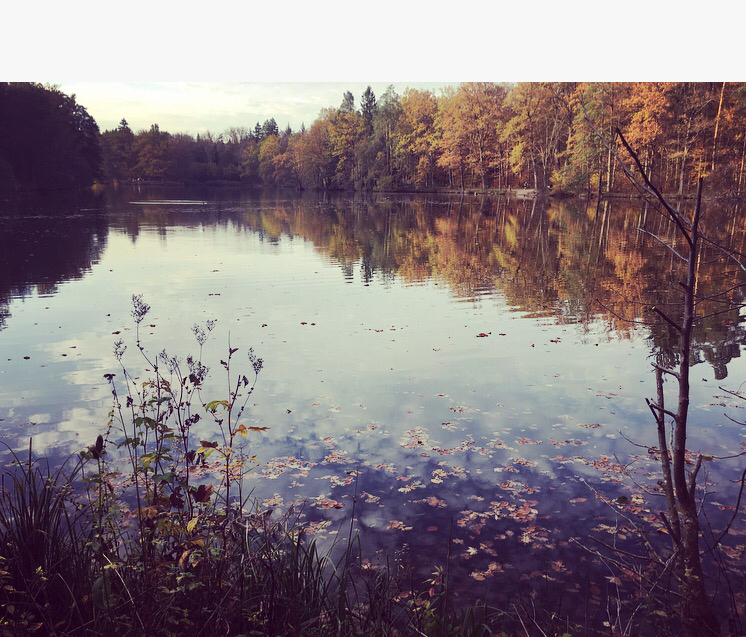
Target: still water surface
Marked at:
467, 357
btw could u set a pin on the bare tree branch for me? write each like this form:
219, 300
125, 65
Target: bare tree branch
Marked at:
652, 405
668, 246
728, 252
735, 513
622, 318
693, 475
666, 371
667, 319
711, 314
737, 422
675, 215
732, 393
722, 292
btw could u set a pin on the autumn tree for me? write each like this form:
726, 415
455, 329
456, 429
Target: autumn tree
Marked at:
385, 119
237, 135
187, 161
118, 152
269, 149
469, 122
452, 140
587, 161
346, 132
317, 163
584, 168
153, 158
416, 137
690, 128
647, 104
285, 167
736, 127
537, 129
249, 161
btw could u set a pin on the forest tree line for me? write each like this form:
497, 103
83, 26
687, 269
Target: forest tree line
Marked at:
476, 136
47, 139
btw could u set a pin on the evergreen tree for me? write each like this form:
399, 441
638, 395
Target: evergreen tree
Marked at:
368, 109
270, 128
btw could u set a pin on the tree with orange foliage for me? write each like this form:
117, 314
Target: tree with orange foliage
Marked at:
538, 129
416, 136
469, 121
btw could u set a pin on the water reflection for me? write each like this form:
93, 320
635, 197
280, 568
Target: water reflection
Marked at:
466, 356
45, 241
571, 260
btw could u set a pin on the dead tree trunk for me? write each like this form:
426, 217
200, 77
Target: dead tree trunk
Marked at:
696, 611
697, 614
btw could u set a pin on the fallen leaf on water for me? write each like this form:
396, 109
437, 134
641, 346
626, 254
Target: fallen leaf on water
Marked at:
398, 525
493, 568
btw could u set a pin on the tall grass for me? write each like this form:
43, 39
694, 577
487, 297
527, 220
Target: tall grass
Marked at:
254, 577
46, 561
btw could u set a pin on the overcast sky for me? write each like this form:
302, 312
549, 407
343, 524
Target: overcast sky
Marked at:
195, 107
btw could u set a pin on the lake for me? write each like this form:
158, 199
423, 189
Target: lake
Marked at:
476, 369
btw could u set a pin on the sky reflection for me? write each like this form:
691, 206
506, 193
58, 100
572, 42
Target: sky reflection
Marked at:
454, 359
